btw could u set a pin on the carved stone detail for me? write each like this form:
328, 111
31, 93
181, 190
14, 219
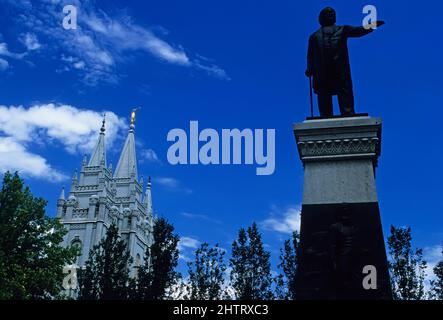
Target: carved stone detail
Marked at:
339, 147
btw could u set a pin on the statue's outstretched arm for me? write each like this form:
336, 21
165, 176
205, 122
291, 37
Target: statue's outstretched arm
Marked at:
356, 32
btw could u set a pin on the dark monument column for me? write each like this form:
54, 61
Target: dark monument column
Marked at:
341, 231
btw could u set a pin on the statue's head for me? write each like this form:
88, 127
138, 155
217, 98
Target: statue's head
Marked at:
327, 17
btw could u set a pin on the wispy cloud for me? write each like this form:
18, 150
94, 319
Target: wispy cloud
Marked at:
75, 129
101, 43
167, 182
6, 53
172, 183
200, 217
186, 246
283, 221
212, 69
149, 155
125, 35
188, 242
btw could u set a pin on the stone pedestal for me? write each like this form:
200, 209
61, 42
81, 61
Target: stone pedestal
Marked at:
341, 231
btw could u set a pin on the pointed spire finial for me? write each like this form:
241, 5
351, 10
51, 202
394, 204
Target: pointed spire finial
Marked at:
133, 117
149, 182
74, 181
102, 130
98, 156
85, 160
62, 194
127, 162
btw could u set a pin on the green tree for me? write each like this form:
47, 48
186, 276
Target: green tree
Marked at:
251, 270
157, 275
106, 273
31, 260
407, 267
437, 284
285, 288
206, 273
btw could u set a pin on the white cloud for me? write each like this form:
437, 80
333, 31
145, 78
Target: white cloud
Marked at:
3, 64
30, 41
79, 65
76, 129
149, 155
167, 182
73, 128
4, 51
187, 243
286, 221
432, 255
186, 246
14, 157
171, 183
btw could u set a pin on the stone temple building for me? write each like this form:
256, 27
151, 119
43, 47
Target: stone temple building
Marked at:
99, 197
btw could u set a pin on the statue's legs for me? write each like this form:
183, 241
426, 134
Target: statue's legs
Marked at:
325, 104
346, 101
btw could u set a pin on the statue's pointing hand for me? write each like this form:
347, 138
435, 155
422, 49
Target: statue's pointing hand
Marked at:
378, 23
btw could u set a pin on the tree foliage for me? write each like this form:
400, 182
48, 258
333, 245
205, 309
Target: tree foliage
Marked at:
251, 270
206, 273
106, 273
31, 260
286, 282
407, 267
157, 275
437, 284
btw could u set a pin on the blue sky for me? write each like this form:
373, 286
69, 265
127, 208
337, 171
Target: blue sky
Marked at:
227, 64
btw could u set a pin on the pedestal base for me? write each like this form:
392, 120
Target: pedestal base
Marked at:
341, 233
337, 242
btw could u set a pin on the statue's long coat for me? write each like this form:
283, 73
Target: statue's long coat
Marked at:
328, 59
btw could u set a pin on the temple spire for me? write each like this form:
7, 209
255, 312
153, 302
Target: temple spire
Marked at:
148, 198
74, 181
62, 194
98, 156
127, 163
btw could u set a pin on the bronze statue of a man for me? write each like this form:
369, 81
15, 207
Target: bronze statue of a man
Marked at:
328, 62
